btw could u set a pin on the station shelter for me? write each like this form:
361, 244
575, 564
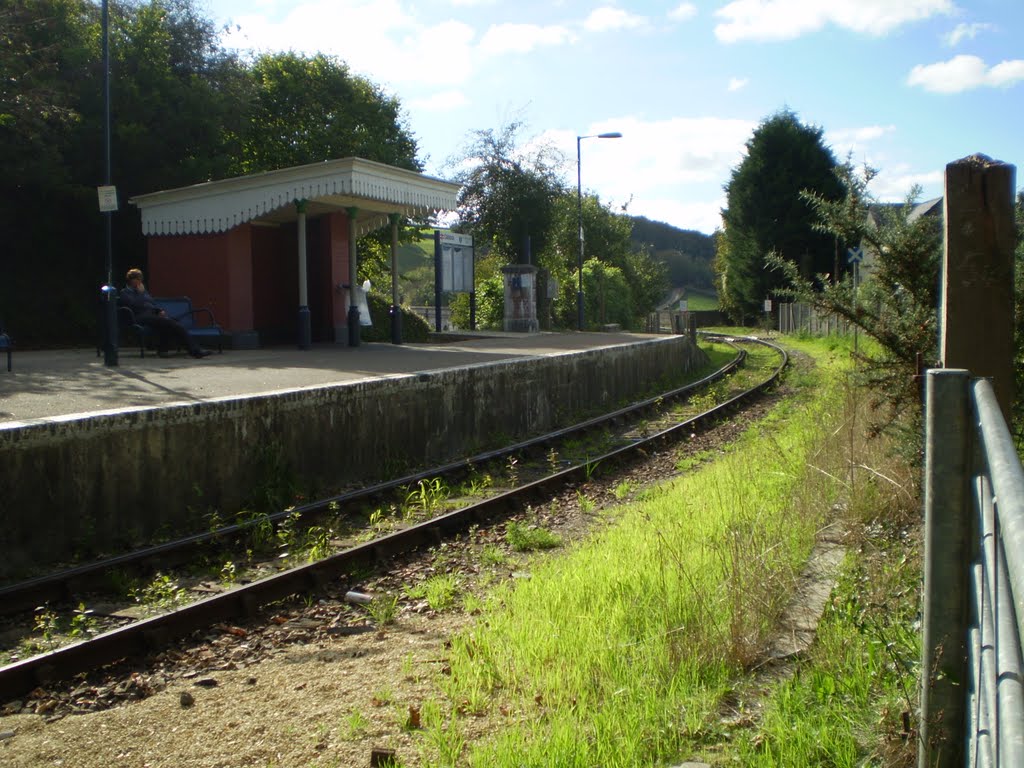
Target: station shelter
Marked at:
273, 255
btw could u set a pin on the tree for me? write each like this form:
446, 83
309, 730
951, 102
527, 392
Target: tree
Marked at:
41, 41
507, 194
608, 245
896, 306
183, 111
175, 99
307, 109
766, 212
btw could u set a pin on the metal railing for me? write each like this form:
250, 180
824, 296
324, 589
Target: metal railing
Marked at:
972, 698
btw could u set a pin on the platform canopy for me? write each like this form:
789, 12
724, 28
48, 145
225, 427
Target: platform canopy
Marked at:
375, 189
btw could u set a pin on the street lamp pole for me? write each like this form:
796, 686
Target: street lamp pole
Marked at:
110, 356
579, 219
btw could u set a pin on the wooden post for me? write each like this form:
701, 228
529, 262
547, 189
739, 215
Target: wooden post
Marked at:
946, 569
976, 321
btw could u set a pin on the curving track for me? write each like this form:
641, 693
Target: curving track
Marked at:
150, 634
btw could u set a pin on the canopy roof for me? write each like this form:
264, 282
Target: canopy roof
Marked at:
374, 188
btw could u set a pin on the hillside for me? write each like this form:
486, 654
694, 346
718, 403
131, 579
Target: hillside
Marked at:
687, 253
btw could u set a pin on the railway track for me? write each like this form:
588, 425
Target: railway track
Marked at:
150, 634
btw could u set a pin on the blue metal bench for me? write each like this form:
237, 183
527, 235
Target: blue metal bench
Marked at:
200, 323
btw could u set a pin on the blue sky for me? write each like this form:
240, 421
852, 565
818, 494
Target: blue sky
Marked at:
904, 85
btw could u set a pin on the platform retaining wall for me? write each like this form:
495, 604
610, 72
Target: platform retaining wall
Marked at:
78, 486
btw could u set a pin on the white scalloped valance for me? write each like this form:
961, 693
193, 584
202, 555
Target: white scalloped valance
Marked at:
374, 188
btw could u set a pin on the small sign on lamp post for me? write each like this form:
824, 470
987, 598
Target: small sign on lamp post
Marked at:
108, 199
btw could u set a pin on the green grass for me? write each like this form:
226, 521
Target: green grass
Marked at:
439, 591
701, 302
525, 538
621, 652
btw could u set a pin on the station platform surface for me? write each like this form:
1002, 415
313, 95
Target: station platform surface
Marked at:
69, 383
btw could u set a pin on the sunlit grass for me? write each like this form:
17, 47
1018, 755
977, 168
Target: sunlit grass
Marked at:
619, 653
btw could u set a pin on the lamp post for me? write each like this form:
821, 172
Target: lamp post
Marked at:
109, 292
579, 219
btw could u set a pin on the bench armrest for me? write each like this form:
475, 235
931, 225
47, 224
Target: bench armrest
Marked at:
191, 314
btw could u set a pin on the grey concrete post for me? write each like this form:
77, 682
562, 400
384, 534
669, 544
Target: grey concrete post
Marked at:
396, 310
305, 326
946, 568
976, 322
353, 271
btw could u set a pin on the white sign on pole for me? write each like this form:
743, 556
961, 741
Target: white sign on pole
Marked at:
767, 305
683, 305
108, 198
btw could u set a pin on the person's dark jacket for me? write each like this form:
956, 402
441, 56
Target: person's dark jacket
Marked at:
141, 303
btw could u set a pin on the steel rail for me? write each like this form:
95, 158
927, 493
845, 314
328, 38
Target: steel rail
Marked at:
150, 634
62, 586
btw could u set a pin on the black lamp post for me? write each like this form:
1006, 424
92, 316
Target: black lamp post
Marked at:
109, 292
579, 218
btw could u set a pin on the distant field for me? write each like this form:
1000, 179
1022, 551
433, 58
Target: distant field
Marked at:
417, 254
699, 302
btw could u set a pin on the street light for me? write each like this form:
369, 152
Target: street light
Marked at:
109, 292
579, 218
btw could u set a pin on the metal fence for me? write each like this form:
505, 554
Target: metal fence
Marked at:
972, 699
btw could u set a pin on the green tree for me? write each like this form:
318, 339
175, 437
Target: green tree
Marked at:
766, 212
507, 194
896, 305
607, 240
175, 99
307, 109
44, 45
607, 297
183, 111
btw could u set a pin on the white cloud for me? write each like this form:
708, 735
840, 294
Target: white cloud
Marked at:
789, 19
966, 32
1006, 73
522, 38
439, 102
651, 161
964, 73
736, 83
683, 12
609, 19
855, 140
391, 46
893, 185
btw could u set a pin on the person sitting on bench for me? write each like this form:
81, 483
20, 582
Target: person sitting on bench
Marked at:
147, 313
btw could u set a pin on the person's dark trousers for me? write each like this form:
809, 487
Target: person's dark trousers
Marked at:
168, 329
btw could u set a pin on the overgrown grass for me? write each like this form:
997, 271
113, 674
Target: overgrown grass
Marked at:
622, 651
852, 701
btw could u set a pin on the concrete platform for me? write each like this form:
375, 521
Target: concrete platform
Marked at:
62, 383
116, 457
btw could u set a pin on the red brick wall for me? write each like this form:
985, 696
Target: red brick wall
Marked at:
215, 271
249, 275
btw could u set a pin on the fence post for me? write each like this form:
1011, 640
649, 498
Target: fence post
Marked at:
946, 569
976, 321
